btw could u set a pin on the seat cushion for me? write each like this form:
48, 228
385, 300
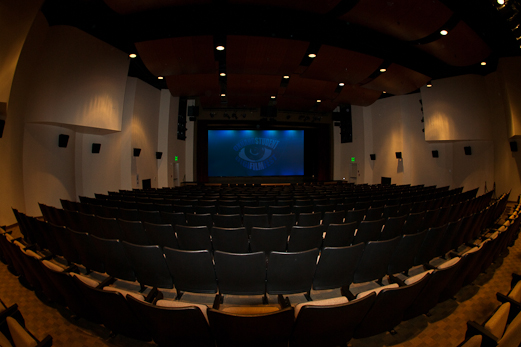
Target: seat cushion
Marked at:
4, 342
449, 263
180, 304
52, 266
376, 290
325, 302
497, 323
515, 293
88, 281
124, 292
417, 277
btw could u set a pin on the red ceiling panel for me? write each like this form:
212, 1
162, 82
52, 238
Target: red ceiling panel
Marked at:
341, 65
194, 85
406, 20
461, 47
315, 6
398, 80
263, 55
359, 96
178, 56
133, 6
310, 88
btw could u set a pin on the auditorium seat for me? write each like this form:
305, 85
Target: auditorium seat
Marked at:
393, 227
110, 228
336, 267
194, 219
192, 238
429, 247
227, 220
355, 216
413, 223
429, 218
330, 217
192, 271
368, 231
279, 209
375, 259
339, 235
389, 306
129, 214
233, 240
268, 239
173, 322
133, 232
302, 238
405, 253
87, 252
374, 213
115, 259
329, 322
255, 220
287, 220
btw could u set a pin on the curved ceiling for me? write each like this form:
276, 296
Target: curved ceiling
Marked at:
365, 49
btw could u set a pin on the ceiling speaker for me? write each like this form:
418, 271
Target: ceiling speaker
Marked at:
398, 155
63, 140
2, 125
373, 156
96, 147
513, 145
435, 154
159, 155
468, 150
137, 152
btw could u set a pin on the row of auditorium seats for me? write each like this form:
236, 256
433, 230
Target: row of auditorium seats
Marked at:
326, 323
14, 333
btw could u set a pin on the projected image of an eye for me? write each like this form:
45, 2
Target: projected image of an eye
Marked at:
254, 153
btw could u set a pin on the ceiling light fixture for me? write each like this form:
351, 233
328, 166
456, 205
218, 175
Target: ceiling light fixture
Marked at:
220, 48
312, 55
384, 92
160, 77
222, 74
443, 32
223, 95
132, 55
501, 2
429, 84
483, 63
273, 96
341, 84
383, 70
319, 100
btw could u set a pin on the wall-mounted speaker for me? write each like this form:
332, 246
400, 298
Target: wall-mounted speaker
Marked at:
137, 151
435, 154
513, 145
398, 155
193, 113
372, 156
159, 155
2, 125
468, 150
96, 147
63, 140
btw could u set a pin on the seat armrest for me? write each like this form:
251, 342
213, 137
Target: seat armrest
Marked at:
515, 306
283, 301
474, 328
46, 342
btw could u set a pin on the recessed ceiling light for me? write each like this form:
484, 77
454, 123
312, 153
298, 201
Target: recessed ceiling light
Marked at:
273, 96
384, 92
222, 74
429, 85
319, 100
312, 55
383, 70
286, 77
483, 63
501, 2
444, 32
223, 95
159, 77
220, 48
341, 84
132, 55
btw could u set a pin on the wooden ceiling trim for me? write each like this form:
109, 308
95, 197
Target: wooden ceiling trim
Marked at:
341, 65
310, 88
407, 20
294, 103
320, 7
194, 85
263, 55
398, 80
253, 84
247, 101
178, 56
461, 47
128, 7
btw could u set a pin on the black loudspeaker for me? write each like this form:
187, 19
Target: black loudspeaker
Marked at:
2, 125
435, 154
346, 124
193, 113
398, 155
513, 144
468, 150
96, 147
63, 140
159, 155
137, 152
373, 156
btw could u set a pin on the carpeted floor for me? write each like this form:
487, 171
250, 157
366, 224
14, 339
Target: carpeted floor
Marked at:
445, 326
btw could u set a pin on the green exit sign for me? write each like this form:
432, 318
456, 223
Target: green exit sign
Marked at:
353, 159
176, 158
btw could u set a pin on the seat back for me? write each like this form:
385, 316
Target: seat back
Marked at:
303, 238
291, 272
375, 259
240, 273
268, 239
336, 266
193, 237
233, 240
339, 235
149, 265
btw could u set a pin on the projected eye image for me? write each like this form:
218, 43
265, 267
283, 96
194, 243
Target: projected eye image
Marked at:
237, 153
